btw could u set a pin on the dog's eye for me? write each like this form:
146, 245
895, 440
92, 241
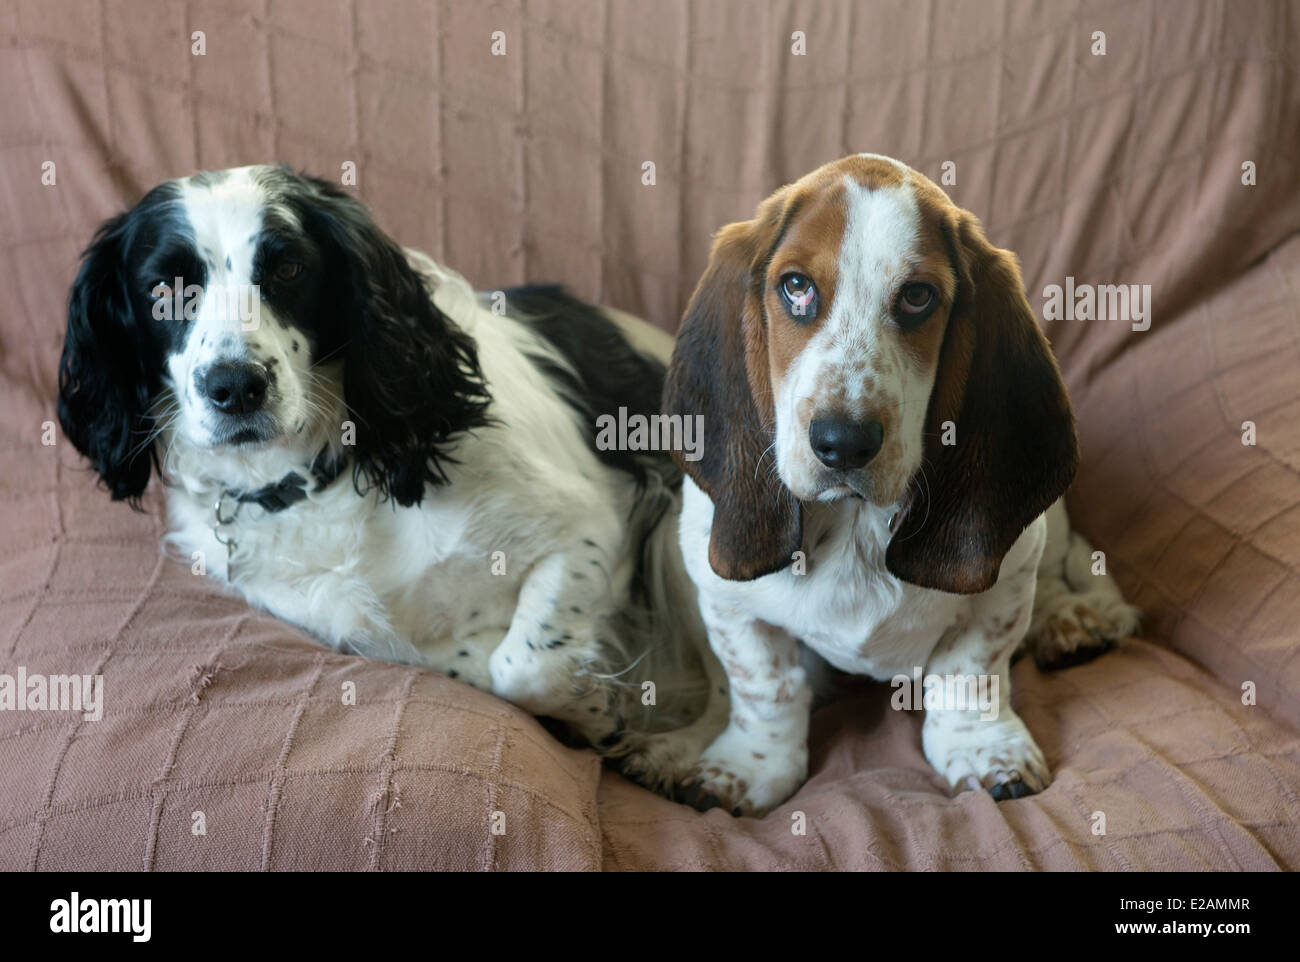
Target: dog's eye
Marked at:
916, 302
915, 298
160, 289
288, 271
800, 295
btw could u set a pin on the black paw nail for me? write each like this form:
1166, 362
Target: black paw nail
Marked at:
1005, 790
697, 798
612, 739
1071, 659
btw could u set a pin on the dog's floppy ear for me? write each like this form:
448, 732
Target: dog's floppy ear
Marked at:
1015, 451
411, 377
720, 370
108, 375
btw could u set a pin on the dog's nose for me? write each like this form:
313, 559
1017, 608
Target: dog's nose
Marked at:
234, 387
843, 444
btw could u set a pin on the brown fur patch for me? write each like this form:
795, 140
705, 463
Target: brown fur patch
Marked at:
809, 246
935, 268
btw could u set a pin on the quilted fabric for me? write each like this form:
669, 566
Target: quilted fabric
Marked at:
531, 166
1182, 776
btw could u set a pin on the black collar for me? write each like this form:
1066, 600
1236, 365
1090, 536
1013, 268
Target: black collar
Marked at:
292, 488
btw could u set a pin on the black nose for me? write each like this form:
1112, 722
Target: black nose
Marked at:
234, 387
843, 444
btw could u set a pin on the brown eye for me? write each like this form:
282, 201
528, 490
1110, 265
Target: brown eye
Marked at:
916, 299
288, 271
796, 285
800, 295
160, 290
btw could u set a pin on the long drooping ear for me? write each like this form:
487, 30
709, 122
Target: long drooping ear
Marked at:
411, 377
720, 371
108, 374
1015, 449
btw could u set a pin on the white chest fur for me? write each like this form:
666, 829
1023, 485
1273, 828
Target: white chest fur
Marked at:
839, 599
352, 570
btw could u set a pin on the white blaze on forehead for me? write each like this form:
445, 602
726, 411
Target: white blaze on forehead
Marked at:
879, 245
226, 215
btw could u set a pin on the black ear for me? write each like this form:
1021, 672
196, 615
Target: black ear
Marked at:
411, 377
719, 370
1016, 450
108, 374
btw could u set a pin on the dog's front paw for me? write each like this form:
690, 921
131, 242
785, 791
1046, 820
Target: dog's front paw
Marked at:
657, 761
560, 671
743, 776
1076, 629
999, 756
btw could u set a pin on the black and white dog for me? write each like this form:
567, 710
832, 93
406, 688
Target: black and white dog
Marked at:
357, 442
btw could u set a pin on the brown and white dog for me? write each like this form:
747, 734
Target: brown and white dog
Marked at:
885, 433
